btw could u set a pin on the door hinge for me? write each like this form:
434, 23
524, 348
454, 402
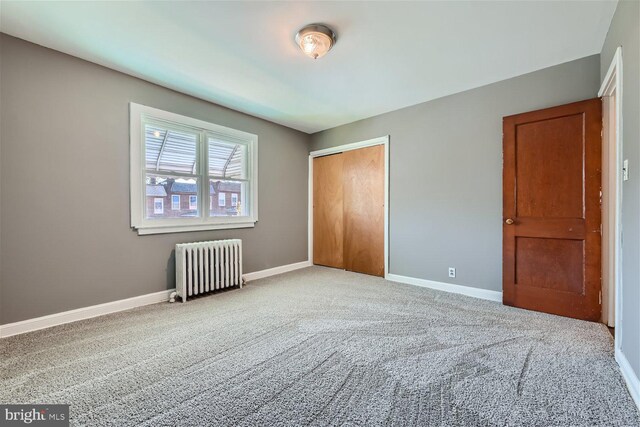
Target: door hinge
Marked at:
600, 297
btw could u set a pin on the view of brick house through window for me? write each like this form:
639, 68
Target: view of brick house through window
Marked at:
182, 196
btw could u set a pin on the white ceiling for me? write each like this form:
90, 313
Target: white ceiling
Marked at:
389, 55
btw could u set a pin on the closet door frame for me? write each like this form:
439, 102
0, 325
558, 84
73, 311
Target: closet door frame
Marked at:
383, 140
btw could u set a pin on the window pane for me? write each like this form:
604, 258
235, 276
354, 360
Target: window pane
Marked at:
176, 192
223, 196
169, 150
158, 206
227, 159
175, 202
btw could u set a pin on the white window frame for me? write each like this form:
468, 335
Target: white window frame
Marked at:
161, 210
139, 115
173, 205
191, 205
234, 203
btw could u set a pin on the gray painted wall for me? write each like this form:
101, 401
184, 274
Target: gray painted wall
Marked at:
65, 236
446, 171
624, 32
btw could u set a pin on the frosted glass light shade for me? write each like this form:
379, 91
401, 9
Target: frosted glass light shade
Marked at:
315, 40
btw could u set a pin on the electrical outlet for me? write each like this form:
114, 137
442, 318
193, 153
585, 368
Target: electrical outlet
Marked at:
625, 170
452, 272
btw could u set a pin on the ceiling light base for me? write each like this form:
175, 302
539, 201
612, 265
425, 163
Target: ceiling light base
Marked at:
315, 40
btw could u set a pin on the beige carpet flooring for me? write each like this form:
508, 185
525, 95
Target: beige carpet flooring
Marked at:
323, 347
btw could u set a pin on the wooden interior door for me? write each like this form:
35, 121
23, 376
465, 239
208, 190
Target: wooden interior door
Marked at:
551, 207
364, 210
328, 216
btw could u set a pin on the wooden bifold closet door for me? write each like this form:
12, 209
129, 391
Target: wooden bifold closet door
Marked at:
348, 210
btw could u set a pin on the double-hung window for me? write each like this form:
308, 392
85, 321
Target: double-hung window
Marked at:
193, 202
175, 202
158, 206
174, 156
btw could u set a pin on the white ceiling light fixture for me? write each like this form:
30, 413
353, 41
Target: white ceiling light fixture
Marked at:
316, 40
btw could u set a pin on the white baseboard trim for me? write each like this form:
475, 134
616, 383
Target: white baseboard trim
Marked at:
448, 287
633, 383
50, 320
248, 277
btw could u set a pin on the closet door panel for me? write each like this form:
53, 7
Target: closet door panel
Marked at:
328, 225
363, 181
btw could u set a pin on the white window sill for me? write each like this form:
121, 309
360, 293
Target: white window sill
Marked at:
192, 227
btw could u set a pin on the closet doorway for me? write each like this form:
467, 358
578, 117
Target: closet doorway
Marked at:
348, 200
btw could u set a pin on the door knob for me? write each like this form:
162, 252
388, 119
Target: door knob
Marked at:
509, 221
